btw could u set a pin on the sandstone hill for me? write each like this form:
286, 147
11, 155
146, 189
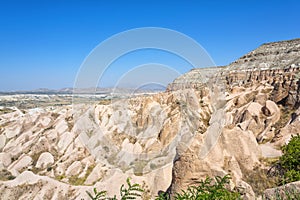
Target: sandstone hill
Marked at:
212, 121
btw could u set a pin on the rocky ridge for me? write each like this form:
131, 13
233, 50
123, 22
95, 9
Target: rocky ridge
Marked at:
270, 55
211, 121
262, 101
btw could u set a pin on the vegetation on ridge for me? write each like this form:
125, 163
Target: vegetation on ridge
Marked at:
287, 169
206, 189
132, 191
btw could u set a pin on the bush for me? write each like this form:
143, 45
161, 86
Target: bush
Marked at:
288, 166
291, 154
290, 160
207, 190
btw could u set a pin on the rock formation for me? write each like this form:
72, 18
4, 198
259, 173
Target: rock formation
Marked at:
262, 106
209, 122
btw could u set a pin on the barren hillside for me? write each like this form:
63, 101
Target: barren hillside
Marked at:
214, 121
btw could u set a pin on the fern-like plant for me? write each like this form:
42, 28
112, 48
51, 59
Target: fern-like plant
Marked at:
101, 195
133, 191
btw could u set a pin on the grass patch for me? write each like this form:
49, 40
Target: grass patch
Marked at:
259, 180
104, 102
75, 180
6, 110
5, 175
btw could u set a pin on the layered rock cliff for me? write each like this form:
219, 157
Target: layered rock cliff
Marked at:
261, 111
270, 55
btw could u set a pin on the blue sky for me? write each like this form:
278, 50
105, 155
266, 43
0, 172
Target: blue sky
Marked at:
43, 43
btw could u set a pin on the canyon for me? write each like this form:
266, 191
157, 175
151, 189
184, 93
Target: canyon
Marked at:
209, 122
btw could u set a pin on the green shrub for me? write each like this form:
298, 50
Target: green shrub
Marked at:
208, 189
288, 166
291, 154
290, 160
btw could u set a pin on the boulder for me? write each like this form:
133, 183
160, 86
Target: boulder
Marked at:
13, 131
64, 141
74, 169
281, 192
45, 160
45, 121
19, 165
2, 141
5, 159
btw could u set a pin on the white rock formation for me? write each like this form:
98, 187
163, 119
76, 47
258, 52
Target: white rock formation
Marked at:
45, 159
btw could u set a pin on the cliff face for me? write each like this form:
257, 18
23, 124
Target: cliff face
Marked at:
263, 63
196, 79
209, 122
276, 64
261, 112
270, 55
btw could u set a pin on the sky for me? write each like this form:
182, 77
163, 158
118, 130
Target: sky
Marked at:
43, 43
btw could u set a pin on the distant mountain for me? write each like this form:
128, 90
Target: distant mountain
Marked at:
84, 91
